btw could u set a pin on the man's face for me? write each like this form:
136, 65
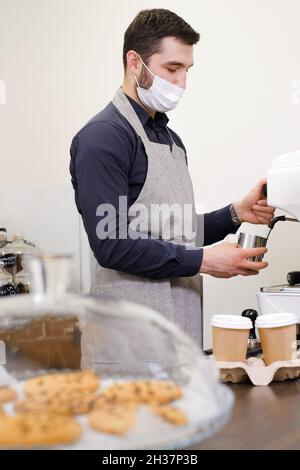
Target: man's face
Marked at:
171, 63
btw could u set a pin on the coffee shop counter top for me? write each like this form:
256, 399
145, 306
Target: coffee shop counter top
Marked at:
265, 418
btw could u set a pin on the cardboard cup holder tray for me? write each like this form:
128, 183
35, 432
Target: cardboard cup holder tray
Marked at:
255, 370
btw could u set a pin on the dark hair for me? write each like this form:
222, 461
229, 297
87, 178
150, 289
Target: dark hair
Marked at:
149, 27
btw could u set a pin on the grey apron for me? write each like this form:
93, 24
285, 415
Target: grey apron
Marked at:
167, 183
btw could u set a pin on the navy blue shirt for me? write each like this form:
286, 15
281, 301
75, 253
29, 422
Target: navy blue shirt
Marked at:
108, 160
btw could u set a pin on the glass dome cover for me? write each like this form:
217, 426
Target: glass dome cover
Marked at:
51, 330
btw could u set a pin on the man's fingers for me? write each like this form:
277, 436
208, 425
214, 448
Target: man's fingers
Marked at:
249, 252
255, 265
264, 215
263, 220
263, 209
262, 202
222, 275
248, 272
263, 181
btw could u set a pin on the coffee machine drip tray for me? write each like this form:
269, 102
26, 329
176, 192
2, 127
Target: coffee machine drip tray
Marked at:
295, 289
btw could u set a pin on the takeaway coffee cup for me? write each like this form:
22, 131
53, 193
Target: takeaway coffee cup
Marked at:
277, 333
230, 335
248, 240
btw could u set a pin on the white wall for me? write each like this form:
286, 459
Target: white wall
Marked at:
61, 62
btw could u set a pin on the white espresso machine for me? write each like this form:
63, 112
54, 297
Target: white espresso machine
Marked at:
283, 192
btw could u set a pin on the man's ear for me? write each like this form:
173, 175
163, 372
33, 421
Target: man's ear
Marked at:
133, 62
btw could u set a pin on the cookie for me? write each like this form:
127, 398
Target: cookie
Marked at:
37, 429
86, 380
7, 394
170, 414
113, 419
62, 402
160, 392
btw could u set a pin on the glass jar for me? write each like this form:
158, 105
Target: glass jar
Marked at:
19, 247
3, 237
6, 281
22, 282
51, 330
6, 254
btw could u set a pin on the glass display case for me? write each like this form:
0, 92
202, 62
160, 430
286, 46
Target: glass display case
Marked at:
51, 331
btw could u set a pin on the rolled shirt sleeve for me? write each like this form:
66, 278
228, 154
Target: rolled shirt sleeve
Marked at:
215, 226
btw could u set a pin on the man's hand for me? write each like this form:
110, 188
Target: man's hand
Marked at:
228, 260
254, 208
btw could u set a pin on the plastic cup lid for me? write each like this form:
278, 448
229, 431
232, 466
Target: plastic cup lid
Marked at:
236, 322
275, 320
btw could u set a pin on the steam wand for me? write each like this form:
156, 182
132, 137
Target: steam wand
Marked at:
278, 219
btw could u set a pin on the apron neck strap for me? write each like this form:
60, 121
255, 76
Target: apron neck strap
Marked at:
123, 105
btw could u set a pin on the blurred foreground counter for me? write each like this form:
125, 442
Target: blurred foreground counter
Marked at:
264, 418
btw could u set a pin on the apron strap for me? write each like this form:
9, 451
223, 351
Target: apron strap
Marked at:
123, 105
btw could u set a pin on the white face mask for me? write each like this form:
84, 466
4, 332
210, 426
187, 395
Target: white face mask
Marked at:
162, 96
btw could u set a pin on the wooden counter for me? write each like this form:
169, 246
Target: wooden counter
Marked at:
263, 418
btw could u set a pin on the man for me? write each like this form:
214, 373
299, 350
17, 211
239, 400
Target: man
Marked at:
127, 152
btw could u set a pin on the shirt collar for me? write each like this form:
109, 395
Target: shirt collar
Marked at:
160, 119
